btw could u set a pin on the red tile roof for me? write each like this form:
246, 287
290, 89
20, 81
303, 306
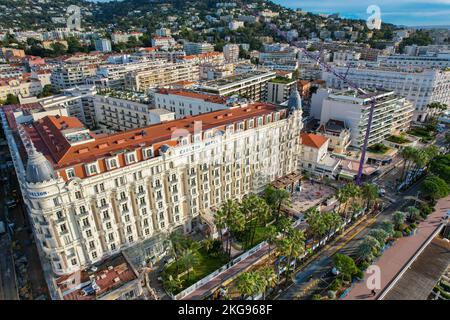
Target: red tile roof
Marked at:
313, 140
47, 137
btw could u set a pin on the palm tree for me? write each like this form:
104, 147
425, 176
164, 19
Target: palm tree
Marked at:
342, 196
229, 216
277, 198
246, 284
291, 246
271, 237
317, 225
256, 212
189, 259
176, 240
369, 193
407, 154
173, 285
269, 279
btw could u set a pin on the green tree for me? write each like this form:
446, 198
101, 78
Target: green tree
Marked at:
380, 235
246, 284
369, 193
387, 226
256, 213
276, 199
435, 188
398, 218
188, 260
345, 264
269, 279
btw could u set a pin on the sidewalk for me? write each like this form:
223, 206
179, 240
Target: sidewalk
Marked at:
395, 258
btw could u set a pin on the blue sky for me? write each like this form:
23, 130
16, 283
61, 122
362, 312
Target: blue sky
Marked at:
405, 12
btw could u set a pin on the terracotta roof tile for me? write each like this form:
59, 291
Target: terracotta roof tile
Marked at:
313, 140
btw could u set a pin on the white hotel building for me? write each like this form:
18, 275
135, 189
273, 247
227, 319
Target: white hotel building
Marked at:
91, 196
421, 87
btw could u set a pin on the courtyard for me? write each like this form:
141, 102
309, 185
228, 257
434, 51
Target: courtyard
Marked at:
312, 194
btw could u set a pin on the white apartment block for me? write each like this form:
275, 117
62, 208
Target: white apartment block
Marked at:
78, 101
231, 52
124, 37
392, 114
117, 111
191, 103
19, 87
91, 196
421, 87
113, 75
197, 48
251, 85
71, 75
279, 89
429, 61
164, 42
168, 73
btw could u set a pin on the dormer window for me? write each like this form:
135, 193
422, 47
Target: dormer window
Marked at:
260, 121
251, 124
240, 126
197, 138
277, 116
130, 157
92, 169
70, 173
148, 153
112, 163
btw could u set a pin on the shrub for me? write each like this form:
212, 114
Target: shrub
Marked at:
364, 265
346, 277
316, 297
359, 275
332, 295
398, 234
444, 284
401, 227
336, 285
407, 231
413, 226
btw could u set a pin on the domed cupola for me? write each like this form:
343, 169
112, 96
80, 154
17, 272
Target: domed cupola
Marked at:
295, 101
39, 168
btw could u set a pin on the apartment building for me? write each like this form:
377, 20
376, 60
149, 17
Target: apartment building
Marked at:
279, 89
420, 86
163, 42
113, 75
22, 86
142, 80
392, 114
70, 75
78, 101
89, 196
117, 111
119, 37
191, 103
103, 45
231, 52
197, 48
429, 61
251, 85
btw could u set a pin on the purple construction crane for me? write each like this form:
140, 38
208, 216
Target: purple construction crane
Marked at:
328, 68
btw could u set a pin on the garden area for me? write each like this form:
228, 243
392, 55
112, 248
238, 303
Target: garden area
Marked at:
192, 261
378, 148
424, 134
398, 139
